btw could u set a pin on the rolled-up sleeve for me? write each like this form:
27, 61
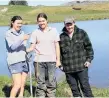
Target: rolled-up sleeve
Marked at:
33, 38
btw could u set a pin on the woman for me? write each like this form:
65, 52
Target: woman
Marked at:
44, 41
15, 44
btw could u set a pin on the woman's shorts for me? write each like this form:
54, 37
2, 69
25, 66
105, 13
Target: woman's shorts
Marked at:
19, 67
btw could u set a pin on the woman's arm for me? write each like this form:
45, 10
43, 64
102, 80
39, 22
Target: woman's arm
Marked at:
14, 44
58, 63
31, 48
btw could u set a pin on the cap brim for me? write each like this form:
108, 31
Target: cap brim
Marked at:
68, 22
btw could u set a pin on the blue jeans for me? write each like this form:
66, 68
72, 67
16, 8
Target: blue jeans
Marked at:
76, 78
46, 81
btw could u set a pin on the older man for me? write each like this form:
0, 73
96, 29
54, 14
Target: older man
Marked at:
77, 54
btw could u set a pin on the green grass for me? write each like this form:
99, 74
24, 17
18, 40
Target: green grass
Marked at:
63, 89
55, 13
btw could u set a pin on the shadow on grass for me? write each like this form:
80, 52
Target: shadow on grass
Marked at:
7, 89
28, 92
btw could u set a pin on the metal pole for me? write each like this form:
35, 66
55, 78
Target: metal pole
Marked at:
30, 73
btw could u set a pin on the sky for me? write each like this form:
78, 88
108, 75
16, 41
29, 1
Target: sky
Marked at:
46, 2
40, 2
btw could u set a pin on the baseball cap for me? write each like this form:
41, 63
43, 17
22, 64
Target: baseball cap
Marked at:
69, 20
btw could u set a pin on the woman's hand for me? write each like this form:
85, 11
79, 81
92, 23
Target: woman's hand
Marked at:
26, 37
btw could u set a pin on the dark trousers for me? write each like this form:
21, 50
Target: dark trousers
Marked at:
46, 81
76, 78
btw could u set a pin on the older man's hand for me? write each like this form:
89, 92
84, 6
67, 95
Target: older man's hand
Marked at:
87, 64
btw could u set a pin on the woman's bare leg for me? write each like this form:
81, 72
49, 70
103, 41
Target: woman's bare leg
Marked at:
16, 84
23, 81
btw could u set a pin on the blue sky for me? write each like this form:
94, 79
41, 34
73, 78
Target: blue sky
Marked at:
39, 2
46, 2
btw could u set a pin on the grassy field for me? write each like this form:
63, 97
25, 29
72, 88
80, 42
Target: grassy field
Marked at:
55, 13
63, 89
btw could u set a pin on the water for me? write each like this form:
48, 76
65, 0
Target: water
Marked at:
98, 32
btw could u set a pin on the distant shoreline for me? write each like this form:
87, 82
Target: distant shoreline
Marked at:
97, 11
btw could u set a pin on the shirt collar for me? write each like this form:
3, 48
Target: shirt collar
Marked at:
47, 29
70, 35
15, 32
